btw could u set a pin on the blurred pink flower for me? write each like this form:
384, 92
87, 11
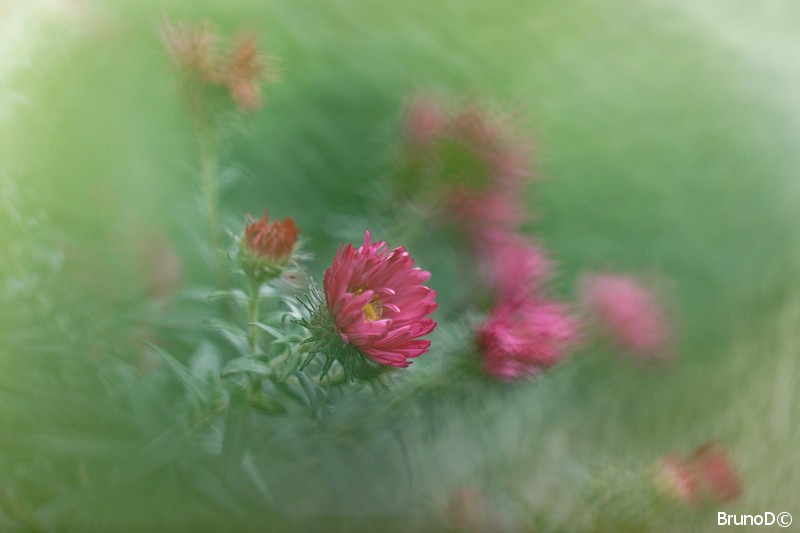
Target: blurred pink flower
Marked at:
520, 339
479, 212
515, 267
467, 149
705, 476
629, 312
425, 121
493, 141
379, 303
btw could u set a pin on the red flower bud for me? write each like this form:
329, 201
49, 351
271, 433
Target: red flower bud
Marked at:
267, 246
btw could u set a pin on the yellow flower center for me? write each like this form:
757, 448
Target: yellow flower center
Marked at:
373, 310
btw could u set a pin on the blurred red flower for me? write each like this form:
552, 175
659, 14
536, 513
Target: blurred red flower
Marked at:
706, 475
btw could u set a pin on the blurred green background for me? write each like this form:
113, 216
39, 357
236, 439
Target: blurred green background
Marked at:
667, 131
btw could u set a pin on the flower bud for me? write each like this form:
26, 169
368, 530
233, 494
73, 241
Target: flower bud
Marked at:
266, 247
705, 476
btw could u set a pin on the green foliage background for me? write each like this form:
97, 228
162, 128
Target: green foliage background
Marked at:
668, 135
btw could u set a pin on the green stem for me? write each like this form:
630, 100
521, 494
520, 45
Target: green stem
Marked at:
209, 171
253, 302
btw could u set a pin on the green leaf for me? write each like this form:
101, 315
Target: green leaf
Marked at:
279, 336
193, 385
234, 294
227, 327
251, 467
238, 429
246, 364
267, 405
205, 361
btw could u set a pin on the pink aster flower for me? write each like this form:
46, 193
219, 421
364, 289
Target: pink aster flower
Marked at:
521, 339
629, 312
515, 267
379, 303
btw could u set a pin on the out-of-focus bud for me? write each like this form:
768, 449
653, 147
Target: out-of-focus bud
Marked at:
202, 61
160, 265
193, 49
467, 511
719, 479
246, 68
705, 476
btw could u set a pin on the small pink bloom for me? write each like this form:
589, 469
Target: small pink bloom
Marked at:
630, 313
522, 338
515, 267
477, 212
470, 148
379, 303
271, 241
506, 157
706, 475
425, 121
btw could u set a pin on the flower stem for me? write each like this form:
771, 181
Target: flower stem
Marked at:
253, 302
209, 170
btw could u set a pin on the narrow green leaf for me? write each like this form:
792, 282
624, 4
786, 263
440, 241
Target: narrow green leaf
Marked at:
235, 440
267, 405
227, 327
245, 364
193, 384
